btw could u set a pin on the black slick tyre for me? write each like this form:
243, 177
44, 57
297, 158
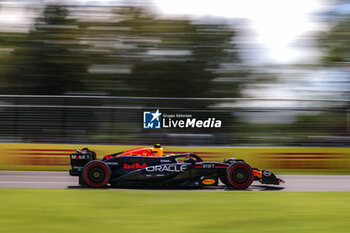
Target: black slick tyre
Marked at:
239, 175
96, 174
81, 181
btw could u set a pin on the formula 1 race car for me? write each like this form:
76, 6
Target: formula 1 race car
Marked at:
147, 167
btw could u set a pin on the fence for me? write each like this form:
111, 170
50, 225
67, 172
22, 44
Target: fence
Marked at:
118, 120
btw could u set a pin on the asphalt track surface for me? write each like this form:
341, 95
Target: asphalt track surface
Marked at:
61, 180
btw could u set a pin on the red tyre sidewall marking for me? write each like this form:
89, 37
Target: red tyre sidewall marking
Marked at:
231, 172
236, 184
86, 171
240, 166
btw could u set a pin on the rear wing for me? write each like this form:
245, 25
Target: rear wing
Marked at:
79, 159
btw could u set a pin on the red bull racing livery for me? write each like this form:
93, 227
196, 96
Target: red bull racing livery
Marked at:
147, 167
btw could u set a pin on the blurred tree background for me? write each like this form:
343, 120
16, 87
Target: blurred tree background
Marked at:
48, 59
127, 53
130, 51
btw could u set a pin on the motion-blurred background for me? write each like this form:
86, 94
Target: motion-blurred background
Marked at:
79, 73
276, 72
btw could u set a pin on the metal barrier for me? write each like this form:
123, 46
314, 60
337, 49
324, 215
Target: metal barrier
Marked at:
118, 120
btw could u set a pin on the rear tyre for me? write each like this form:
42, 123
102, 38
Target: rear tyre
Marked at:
96, 174
239, 175
81, 180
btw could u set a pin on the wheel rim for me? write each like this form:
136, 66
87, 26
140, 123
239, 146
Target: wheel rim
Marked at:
96, 174
240, 176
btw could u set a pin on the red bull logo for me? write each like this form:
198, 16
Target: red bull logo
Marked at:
135, 166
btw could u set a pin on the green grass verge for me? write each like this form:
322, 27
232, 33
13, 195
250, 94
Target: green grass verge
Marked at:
50, 211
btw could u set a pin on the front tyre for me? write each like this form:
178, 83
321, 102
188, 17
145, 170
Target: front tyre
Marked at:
239, 175
96, 174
